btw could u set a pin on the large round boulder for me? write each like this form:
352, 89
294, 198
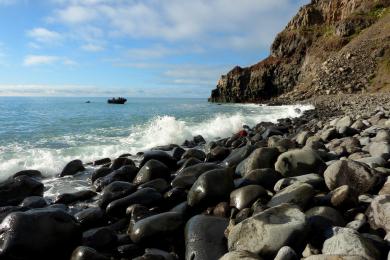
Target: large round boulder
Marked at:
38, 234
15, 190
114, 191
72, 168
299, 162
265, 233
211, 187
358, 176
187, 177
204, 238
379, 213
152, 169
243, 197
259, 158
346, 241
156, 227
297, 193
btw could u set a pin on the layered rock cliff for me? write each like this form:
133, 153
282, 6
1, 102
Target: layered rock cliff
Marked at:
329, 47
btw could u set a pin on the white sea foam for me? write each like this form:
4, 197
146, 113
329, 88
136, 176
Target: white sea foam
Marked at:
160, 130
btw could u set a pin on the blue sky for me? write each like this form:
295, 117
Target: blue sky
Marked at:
132, 47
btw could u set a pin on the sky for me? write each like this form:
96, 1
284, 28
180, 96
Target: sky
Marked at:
140, 48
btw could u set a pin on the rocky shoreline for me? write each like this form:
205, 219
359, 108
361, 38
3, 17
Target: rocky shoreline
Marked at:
314, 187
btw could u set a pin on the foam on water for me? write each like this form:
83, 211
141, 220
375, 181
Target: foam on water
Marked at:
160, 130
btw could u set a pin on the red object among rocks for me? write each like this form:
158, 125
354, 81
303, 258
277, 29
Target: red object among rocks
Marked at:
243, 133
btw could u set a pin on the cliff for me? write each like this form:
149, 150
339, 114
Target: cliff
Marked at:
329, 47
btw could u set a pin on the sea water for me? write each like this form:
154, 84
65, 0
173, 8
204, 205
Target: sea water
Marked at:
44, 133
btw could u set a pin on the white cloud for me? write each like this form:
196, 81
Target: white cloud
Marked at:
76, 14
92, 47
44, 35
212, 23
35, 60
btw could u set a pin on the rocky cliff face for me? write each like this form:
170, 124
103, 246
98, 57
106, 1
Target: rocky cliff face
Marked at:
330, 46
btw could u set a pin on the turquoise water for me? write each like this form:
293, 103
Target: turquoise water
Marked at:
45, 133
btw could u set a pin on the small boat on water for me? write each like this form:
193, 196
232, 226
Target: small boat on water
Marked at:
119, 100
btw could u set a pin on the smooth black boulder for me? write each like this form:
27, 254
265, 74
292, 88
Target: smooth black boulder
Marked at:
29, 173
34, 202
211, 187
15, 190
145, 196
125, 173
99, 238
114, 191
90, 217
87, 253
266, 177
187, 177
161, 156
120, 162
72, 168
38, 234
159, 185
156, 227
243, 197
237, 156
68, 198
152, 169
204, 238
101, 172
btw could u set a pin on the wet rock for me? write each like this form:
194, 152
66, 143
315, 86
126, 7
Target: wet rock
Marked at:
237, 155
99, 238
120, 162
258, 159
15, 190
101, 172
161, 156
102, 161
378, 213
240, 255
114, 191
347, 241
187, 163
204, 238
129, 250
159, 185
299, 162
152, 169
195, 153
87, 253
297, 193
218, 153
264, 177
29, 173
187, 177
270, 230
244, 197
373, 162
302, 137
24, 235
90, 217
68, 198
156, 227
4, 211
72, 168
177, 153
206, 192
315, 180
34, 202
125, 173
271, 131
281, 143
358, 176
146, 196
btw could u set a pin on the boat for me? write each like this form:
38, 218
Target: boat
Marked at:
119, 100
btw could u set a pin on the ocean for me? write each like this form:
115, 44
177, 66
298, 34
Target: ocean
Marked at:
44, 133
